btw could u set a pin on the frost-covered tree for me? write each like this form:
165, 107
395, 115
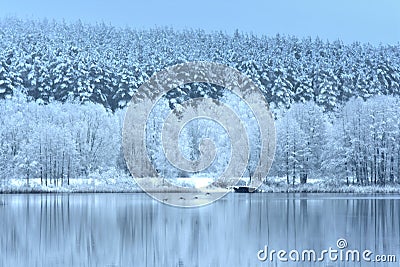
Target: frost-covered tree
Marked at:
363, 147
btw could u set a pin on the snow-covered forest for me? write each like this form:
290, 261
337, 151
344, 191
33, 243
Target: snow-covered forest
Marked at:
358, 143
105, 64
64, 89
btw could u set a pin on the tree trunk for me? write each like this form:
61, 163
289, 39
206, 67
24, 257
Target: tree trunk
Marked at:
69, 169
287, 167
62, 168
41, 162
27, 176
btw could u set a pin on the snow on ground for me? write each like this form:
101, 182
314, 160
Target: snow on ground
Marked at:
118, 183
125, 183
283, 180
320, 185
195, 182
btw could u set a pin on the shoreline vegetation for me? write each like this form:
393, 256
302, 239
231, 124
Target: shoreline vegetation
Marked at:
126, 184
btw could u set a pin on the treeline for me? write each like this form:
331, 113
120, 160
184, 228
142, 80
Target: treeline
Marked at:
358, 143
337, 105
59, 141
104, 64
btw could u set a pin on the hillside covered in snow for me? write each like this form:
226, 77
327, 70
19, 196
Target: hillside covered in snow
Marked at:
105, 64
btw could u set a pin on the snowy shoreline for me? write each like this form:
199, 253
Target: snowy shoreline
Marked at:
130, 187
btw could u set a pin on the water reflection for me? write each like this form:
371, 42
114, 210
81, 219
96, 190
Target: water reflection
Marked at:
134, 230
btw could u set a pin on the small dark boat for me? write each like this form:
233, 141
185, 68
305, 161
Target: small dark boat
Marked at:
244, 189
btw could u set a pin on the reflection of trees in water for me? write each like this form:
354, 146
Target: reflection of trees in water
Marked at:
133, 230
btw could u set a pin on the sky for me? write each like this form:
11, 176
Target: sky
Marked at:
373, 21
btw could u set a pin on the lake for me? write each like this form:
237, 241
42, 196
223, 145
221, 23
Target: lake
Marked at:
134, 230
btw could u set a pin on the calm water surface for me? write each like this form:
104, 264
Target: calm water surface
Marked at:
134, 230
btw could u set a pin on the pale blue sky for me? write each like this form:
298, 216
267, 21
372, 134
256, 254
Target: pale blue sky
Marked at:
374, 21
